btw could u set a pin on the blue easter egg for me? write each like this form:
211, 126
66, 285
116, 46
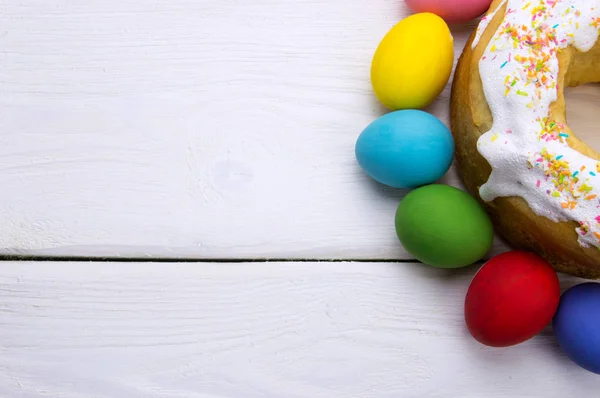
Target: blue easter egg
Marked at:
577, 325
405, 149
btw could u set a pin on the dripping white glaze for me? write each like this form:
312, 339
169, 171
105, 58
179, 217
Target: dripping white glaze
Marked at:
529, 155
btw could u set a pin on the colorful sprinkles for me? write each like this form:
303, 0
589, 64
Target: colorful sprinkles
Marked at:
527, 57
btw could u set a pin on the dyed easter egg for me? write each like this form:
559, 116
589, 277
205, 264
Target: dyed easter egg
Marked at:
577, 325
511, 299
453, 11
405, 149
413, 62
443, 226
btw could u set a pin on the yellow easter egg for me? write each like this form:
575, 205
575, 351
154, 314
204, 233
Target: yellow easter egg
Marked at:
413, 62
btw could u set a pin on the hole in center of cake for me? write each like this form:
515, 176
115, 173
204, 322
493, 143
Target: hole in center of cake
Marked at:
583, 112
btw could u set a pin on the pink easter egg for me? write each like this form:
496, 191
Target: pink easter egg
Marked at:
452, 11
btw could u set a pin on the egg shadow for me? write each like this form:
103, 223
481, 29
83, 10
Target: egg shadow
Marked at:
464, 28
555, 352
403, 9
443, 275
377, 107
382, 189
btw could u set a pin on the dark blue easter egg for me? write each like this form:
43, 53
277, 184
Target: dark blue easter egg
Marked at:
405, 149
577, 325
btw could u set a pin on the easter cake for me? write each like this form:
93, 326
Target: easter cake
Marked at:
514, 149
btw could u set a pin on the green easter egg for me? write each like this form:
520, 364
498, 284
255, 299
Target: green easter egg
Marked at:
443, 226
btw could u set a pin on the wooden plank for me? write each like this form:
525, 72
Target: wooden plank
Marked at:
184, 128
259, 330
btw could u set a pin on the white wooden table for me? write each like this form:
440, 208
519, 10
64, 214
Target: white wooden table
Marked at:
199, 138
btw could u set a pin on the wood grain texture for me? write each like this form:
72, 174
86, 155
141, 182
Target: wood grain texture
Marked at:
185, 128
259, 330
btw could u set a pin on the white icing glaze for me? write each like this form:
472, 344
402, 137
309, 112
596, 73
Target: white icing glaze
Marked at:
530, 156
483, 24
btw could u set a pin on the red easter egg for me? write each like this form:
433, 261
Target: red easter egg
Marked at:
511, 299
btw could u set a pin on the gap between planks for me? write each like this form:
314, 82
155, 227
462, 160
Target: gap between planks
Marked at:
200, 260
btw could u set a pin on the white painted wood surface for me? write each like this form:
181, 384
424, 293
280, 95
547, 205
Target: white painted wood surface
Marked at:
188, 128
258, 330
222, 129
